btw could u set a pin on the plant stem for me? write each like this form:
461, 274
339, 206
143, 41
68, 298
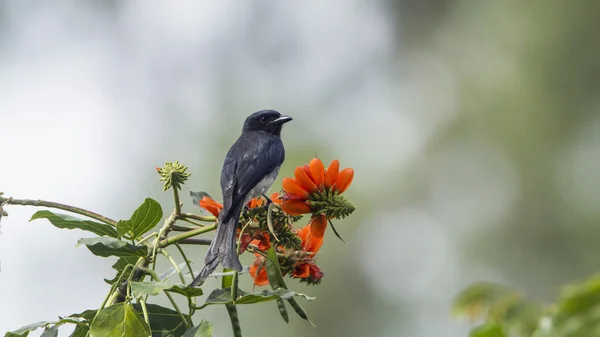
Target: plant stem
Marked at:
201, 242
174, 239
177, 201
170, 258
50, 204
197, 217
175, 306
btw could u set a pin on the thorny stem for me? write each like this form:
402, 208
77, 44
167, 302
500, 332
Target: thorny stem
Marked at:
50, 204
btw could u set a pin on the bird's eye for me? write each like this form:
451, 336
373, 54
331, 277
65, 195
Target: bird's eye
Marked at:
263, 119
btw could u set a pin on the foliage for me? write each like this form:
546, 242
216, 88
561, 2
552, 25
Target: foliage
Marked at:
127, 309
505, 312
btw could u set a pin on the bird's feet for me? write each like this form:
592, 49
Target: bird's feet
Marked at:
269, 201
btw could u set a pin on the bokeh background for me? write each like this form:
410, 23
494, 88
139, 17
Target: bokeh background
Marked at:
473, 127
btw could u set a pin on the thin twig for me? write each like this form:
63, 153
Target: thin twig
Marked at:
50, 204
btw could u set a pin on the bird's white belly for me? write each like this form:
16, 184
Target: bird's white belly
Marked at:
263, 186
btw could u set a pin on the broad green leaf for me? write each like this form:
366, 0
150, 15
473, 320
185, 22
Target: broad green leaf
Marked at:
50, 332
202, 330
24, 330
164, 322
105, 246
119, 320
488, 330
82, 330
154, 288
65, 221
143, 219
120, 265
223, 296
186, 290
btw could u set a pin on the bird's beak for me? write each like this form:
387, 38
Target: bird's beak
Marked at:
281, 120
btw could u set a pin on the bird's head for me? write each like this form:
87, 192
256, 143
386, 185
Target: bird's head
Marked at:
269, 121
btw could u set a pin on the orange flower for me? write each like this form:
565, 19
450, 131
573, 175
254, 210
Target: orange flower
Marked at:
312, 178
310, 242
211, 205
260, 276
215, 207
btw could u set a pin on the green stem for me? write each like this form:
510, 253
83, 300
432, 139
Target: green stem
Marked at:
170, 258
207, 218
174, 239
235, 320
175, 306
50, 204
187, 262
114, 286
145, 311
190, 241
192, 222
177, 201
191, 300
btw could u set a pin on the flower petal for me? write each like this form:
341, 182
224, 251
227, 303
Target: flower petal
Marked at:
260, 278
211, 205
301, 271
310, 243
295, 207
290, 186
275, 198
332, 173
317, 226
304, 180
344, 179
317, 171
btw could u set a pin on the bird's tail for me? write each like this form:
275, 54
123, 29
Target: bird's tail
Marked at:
223, 249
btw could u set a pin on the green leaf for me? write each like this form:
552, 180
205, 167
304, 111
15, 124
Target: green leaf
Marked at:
119, 320
82, 330
154, 288
277, 282
202, 330
223, 296
50, 332
164, 322
120, 265
25, 330
488, 330
105, 246
65, 221
143, 219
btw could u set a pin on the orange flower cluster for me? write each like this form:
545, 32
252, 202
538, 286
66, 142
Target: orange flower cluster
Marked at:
310, 183
309, 180
303, 267
312, 178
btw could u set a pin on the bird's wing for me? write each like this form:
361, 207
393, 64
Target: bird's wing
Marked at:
249, 160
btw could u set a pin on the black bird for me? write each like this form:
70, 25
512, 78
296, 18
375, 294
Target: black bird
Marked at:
250, 167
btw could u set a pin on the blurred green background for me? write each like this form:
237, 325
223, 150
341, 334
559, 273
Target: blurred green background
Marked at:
473, 128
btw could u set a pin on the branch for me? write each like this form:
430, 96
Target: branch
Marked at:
177, 238
201, 242
50, 204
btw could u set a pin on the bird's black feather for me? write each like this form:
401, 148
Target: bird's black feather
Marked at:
250, 167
